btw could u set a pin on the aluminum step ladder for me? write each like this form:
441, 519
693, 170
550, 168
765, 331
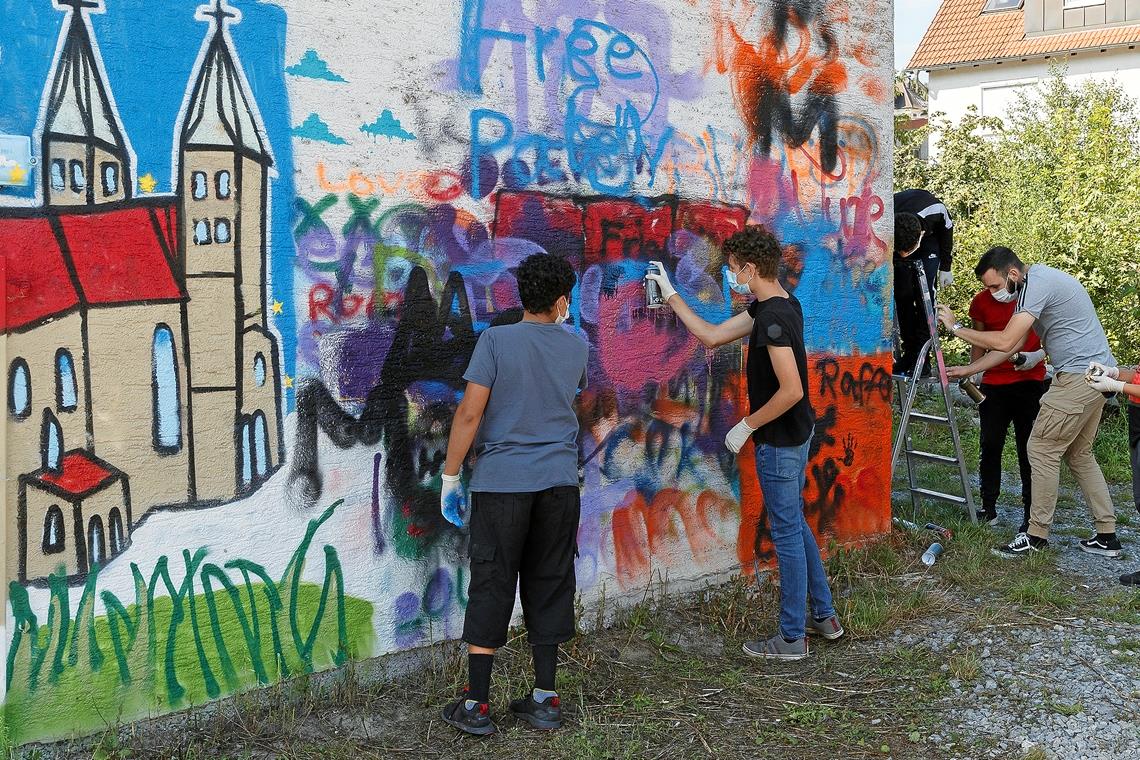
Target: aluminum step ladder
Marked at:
906, 391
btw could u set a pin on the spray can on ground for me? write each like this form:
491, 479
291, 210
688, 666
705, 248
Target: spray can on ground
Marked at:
946, 533
967, 386
653, 299
931, 554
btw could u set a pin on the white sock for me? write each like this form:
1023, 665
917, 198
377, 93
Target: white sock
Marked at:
470, 704
542, 694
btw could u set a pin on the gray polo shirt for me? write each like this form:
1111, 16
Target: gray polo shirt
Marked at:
1067, 323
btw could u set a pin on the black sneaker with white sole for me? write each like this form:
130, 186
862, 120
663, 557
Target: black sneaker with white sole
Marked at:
1132, 579
1104, 544
1022, 545
986, 516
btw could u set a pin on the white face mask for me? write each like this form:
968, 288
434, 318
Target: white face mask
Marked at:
562, 317
1004, 296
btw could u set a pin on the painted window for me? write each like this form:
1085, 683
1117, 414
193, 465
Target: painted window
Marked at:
53, 540
19, 389
198, 185
222, 184
260, 445
118, 535
259, 369
96, 543
246, 455
58, 183
221, 230
167, 407
201, 232
110, 171
1001, 5
51, 442
66, 387
78, 176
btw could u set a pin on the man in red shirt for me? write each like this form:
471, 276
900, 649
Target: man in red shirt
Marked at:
1013, 395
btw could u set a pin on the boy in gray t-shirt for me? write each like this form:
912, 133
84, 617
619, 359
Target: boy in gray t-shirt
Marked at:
518, 411
1058, 308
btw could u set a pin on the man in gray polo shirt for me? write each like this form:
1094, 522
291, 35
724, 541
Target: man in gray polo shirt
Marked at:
1058, 308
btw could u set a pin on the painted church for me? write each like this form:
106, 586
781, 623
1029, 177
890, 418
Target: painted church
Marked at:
141, 371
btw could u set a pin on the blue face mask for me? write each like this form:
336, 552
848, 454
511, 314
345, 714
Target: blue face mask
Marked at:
737, 286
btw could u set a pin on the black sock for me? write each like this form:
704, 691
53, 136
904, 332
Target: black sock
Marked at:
545, 665
479, 676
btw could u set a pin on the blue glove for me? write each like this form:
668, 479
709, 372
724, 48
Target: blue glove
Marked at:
452, 499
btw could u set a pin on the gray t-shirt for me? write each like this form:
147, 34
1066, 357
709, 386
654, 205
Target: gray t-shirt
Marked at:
529, 437
1067, 323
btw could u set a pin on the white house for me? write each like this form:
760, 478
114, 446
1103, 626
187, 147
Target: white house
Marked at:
981, 52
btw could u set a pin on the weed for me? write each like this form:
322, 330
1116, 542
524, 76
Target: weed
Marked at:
1064, 708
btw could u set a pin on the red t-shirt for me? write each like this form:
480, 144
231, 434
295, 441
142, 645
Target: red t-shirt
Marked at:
995, 315
1135, 400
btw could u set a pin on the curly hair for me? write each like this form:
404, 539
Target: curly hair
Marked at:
543, 278
908, 228
757, 246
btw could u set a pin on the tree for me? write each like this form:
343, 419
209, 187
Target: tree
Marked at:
1059, 183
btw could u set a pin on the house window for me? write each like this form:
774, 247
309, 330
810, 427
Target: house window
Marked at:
53, 530
222, 184
19, 389
201, 232
118, 536
110, 171
198, 185
259, 369
78, 177
58, 183
1001, 5
96, 543
66, 388
51, 442
167, 408
221, 230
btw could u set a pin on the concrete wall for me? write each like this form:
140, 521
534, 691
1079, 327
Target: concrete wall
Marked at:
416, 158
992, 88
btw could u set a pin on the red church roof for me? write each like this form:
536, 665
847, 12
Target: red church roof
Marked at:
120, 256
80, 474
36, 284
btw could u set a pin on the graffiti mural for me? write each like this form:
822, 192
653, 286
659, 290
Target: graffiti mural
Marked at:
245, 273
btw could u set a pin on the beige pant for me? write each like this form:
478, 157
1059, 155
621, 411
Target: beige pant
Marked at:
1065, 429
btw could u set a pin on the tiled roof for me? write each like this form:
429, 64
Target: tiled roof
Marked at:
961, 33
58, 259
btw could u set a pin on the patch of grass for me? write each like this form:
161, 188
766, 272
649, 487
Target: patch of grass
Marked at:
1039, 591
1111, 446
1065, 708
1035, 753
965, 665
808, 714
1128, 645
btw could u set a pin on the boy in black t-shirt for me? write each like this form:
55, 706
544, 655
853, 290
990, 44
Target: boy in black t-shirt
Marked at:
781, 424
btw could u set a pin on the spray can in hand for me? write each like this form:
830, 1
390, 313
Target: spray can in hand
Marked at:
967, 386
653, 299
1018, 359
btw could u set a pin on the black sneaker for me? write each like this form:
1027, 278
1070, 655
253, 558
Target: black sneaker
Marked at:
546, 714
1104, 544
1132, 579
986, 516
1022, 545
476, 720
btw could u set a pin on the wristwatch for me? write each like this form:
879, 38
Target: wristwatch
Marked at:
954, 330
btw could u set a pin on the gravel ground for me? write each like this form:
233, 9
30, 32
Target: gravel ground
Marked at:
1061, 686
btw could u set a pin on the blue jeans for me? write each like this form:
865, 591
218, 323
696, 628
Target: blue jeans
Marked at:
782, 470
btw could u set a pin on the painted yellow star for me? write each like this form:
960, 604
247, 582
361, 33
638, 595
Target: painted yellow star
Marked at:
16, 174
147, 183
288, 382
277, 307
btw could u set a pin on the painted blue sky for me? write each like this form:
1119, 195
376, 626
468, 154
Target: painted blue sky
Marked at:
911, 19
149, 50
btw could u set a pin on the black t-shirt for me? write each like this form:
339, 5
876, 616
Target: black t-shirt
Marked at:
778, 322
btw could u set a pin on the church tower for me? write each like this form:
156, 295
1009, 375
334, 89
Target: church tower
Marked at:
86, 158
223, 181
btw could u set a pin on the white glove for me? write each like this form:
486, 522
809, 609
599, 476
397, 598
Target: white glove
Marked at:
452, 499
1032, 359
739, 436
657, 274
1104, 383
1096, 368
945, 279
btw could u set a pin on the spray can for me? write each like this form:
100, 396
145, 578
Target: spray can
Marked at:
931, 554
946, 533
653, 299
967, 386
1018, 359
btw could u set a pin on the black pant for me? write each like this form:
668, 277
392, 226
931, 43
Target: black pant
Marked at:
1017, 403
910, 310
1134, 450
528, 540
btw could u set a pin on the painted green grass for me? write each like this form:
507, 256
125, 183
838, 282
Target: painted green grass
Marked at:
206, 637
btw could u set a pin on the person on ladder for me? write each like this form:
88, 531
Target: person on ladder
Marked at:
924, 232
